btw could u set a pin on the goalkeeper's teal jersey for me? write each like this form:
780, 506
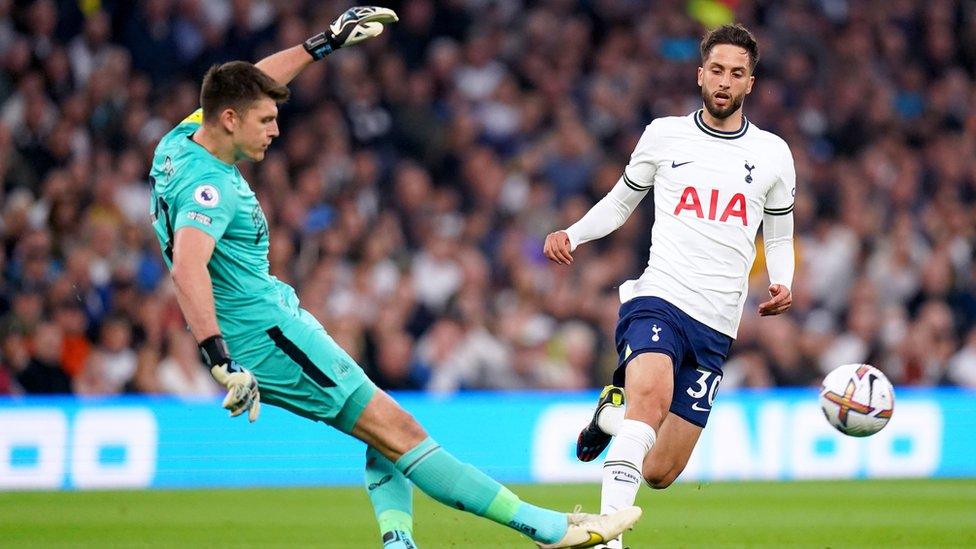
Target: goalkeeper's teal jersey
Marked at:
193, 188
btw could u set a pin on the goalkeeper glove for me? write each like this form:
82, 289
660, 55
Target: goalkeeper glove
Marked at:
242, 388
352, 27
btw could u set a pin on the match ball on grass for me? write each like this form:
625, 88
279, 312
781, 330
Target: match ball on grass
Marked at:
857, 399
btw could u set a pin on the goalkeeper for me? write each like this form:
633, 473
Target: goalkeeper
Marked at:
261, 345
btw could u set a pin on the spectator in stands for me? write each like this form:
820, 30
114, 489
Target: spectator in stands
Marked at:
44, 373
180, 372
112, 363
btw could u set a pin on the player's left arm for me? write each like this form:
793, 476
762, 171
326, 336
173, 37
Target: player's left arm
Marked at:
780, 262
778, 240
350, 28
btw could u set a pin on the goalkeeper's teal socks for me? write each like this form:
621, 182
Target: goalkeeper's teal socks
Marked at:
442, 477
392, 497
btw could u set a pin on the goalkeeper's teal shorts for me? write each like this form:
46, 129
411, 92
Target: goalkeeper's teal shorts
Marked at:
300, 368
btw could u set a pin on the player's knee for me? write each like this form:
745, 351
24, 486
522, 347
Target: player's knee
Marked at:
648, 399
388, 427
406, 427
644, 392
660, 481
648, 408
413, 430
660, 478
401, 437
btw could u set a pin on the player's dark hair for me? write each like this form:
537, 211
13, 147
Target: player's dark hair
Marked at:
236, 85
736, 35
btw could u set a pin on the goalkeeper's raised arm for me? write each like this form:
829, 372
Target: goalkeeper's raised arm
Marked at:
352, 27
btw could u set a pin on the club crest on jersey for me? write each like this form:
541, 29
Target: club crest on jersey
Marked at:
734, 208
206, 195
260, 223
749, 170
657, 332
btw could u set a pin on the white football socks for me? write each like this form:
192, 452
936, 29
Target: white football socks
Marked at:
622, 475
622, 469
610, 418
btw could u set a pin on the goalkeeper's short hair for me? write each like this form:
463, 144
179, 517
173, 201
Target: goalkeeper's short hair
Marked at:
236, 85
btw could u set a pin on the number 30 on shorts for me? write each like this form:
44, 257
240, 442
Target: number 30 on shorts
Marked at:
705, 386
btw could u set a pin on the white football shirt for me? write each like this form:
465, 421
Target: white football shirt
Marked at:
711, 191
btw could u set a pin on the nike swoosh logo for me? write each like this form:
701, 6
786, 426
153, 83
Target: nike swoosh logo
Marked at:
697, 408
625, 479
676, 165
374, 485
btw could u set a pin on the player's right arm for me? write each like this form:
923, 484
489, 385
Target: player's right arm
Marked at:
350, 28
192, 249
603, 218
197, 216
612, 210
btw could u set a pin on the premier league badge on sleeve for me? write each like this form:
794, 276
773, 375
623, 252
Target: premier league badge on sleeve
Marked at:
206, 195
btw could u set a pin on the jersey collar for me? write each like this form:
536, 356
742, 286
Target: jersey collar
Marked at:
735, 134
230, 167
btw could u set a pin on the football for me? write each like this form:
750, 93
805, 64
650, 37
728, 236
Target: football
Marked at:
857, 399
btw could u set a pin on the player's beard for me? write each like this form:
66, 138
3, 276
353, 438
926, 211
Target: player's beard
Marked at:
721, 113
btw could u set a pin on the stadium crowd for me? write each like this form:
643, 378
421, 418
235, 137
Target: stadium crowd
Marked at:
417, 176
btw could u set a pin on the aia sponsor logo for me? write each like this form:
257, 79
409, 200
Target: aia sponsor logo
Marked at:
720, 208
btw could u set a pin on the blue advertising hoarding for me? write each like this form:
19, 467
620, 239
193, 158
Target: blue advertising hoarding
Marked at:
141, 442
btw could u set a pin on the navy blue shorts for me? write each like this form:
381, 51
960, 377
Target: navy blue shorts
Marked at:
652, 325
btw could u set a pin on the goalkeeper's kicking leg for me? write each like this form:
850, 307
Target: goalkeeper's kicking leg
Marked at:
395, 438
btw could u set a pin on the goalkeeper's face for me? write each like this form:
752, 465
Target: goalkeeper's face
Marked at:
253, 131
725, 78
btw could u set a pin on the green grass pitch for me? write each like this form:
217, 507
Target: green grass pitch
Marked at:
861, 514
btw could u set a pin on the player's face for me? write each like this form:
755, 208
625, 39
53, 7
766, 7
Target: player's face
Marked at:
254, 130
725, 79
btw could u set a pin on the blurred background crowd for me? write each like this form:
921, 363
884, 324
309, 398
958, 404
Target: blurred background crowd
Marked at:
417, 176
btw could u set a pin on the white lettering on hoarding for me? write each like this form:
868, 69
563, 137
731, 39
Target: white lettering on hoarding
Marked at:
132, 433
32, 448
110, 448
910, 445
817, 450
